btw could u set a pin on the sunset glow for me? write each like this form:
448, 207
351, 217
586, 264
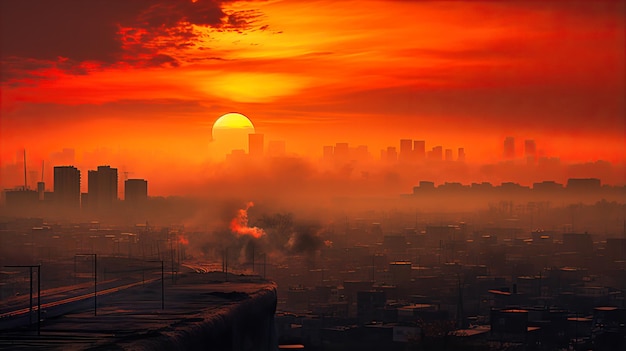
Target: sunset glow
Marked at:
146, 81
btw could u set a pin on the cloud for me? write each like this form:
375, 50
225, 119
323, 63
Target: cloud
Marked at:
103, 32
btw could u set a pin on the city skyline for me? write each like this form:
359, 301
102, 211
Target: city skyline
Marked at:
420, 155
152, 90
313, 174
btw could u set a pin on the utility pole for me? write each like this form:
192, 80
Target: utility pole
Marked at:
30, 310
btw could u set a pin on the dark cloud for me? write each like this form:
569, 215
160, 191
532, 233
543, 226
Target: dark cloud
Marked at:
75, 31
79, 30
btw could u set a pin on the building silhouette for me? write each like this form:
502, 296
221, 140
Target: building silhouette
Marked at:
392, 154
509, 148
342, 151
419, 149
461, 155
66, 186
136, 191
21, 199
436, 153
406, 150
328, 152
530, 151
255, 145
102, 188
583, 184
449, 156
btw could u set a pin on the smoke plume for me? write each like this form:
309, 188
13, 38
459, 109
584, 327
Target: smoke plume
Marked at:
239, 224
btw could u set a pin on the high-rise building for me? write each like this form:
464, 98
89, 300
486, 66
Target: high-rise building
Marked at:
328, 152
406, 150
530, 151
67, 186
342, 151
102, 188
449, 156
136, 191
255, 145
461, 156
436, 153
392, 154
419, 149
509, 148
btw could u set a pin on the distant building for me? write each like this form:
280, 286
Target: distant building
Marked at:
369, 305
255, 145
436, 153
425, 185
21, 199
419, 149
392, 154
616, 248
67, 186
583, 184
102, 188
449, 156
530, 151
577, 242
509, 148
547, 186
136, 191
328, 152
342, 151
549, 162
461, 155
406, 150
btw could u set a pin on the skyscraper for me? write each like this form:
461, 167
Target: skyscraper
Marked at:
437, 153
342, 151
328, 152
406, 150
419, 149
449, 156
461, 156
136, 191
530, 151
509, 148
255, 145
392, 154
102, 188
67, 186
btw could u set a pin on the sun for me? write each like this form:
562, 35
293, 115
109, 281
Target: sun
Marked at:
230, 132
232, 120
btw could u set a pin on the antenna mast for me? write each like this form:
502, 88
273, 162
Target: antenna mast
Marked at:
42, 163
25, 182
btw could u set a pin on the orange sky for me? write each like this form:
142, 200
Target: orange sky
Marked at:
146, 80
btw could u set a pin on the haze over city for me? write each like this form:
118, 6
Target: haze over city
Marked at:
365, 174
140, 90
